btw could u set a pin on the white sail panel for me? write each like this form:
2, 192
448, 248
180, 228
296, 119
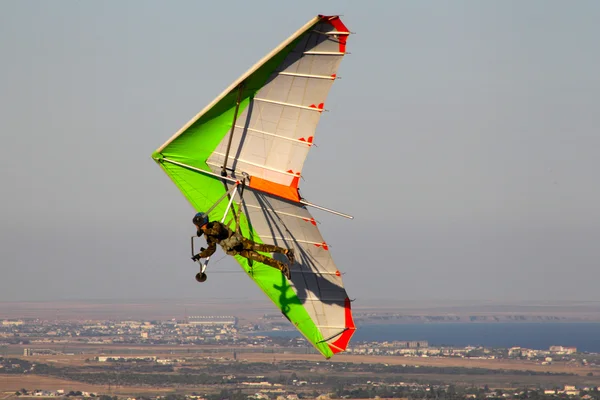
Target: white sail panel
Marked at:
274, 133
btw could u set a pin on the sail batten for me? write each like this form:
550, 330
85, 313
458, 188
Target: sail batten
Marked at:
329, 77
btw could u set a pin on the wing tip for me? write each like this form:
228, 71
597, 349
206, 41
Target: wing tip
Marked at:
342, 342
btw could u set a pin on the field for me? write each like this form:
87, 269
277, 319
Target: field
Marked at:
433, 362
164, 351
503, 379
10, 384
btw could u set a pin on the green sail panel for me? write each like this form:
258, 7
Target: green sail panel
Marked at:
281, 99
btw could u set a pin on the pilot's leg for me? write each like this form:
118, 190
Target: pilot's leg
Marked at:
271, 262
270, 248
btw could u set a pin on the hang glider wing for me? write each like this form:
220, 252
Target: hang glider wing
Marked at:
261, 129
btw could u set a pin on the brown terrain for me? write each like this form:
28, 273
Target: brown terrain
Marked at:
515, 365
9, 384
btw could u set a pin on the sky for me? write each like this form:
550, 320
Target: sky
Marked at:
462, 136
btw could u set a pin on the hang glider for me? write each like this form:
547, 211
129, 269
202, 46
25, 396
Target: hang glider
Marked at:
255, 137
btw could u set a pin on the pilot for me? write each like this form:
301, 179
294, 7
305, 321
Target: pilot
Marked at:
233, 243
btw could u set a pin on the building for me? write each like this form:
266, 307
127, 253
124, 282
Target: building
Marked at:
12, 323
412, 344
122, 358
226, 320
563, 350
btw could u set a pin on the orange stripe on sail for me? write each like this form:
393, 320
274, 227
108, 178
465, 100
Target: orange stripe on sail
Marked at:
287, 192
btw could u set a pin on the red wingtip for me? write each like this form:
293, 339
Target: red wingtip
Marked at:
339, 26
342, 342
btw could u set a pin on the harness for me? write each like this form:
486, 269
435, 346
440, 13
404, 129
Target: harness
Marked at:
231, 242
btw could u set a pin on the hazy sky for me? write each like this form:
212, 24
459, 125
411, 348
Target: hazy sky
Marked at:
463, 136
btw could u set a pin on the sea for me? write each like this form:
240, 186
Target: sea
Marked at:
585, 336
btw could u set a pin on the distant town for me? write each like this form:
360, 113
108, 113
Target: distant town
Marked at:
216, 357
226, 331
